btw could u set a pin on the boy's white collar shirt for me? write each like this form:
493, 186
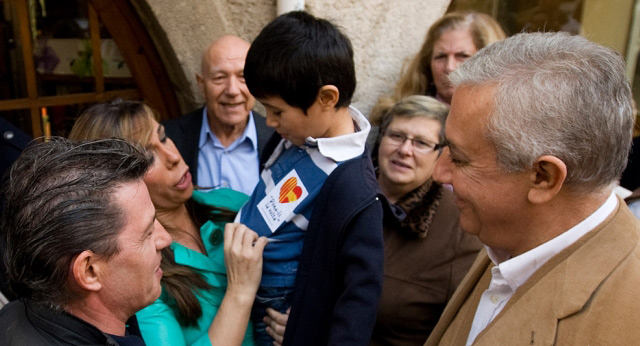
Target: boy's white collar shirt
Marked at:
339, 148
347, 146
509, 274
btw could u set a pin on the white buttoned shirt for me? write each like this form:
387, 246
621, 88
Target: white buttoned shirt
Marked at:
509, 274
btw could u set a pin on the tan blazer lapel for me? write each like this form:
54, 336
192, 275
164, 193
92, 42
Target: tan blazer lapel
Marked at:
459, 297
563, 285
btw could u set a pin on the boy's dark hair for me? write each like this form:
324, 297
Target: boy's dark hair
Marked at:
295, 55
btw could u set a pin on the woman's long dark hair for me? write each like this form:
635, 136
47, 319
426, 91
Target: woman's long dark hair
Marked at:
182, 282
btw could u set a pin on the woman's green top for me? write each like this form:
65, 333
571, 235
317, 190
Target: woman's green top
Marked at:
158, 322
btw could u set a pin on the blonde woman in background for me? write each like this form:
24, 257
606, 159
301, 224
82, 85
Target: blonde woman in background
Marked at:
449, 42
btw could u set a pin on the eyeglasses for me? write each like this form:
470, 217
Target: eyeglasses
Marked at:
420, 145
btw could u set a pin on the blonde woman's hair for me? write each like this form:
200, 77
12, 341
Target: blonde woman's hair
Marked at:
117, 118
416, 77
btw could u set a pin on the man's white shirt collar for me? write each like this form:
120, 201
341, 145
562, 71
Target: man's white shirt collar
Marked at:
509, 274
519, 269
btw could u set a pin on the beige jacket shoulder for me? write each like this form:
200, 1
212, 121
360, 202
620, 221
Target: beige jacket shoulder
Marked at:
589, 294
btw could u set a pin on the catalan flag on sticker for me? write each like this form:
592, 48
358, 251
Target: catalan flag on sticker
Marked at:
290, 191
280, 201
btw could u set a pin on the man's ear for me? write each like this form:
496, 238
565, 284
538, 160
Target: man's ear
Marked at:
85, 269
200, 82
328, 96
547, 179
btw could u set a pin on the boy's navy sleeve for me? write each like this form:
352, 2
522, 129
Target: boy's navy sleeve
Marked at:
339, 279
361, 259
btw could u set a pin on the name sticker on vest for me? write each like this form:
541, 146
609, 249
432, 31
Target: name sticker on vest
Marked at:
278, 205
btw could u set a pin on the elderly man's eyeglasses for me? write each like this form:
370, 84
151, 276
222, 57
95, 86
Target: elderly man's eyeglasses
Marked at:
419, 144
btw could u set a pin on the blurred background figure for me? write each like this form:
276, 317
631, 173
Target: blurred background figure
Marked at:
12, 142
449, 42
426, 252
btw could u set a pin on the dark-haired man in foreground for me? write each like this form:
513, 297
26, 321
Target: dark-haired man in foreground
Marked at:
83, 244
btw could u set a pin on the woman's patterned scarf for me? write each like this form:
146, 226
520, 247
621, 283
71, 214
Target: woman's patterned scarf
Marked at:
420, 205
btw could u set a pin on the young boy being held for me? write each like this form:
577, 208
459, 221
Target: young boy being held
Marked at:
317, 199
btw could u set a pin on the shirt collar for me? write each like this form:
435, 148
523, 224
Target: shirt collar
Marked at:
347, 146
213, 261
249, 132
517, 270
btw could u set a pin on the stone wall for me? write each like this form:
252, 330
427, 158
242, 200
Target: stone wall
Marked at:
383, 32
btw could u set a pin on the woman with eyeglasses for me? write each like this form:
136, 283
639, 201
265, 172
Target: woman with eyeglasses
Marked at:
426, 252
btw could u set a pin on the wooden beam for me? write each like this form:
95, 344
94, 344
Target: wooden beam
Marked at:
70, 99
29, 68
140, 54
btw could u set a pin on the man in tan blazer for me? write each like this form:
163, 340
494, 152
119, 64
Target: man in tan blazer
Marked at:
539, 130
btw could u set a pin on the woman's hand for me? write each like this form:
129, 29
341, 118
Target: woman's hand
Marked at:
276, 323
243, 259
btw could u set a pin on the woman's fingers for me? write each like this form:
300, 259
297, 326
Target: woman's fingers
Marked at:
242, 241
243, 256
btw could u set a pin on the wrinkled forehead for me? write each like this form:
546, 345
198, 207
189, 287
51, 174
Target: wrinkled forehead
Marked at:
415, 124
221, 55
471, 108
